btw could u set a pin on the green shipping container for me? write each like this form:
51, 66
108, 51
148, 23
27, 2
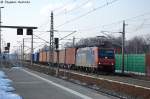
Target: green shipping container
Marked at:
134, 63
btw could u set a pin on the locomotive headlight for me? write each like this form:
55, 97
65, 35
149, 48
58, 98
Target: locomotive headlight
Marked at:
112, 63
99, 63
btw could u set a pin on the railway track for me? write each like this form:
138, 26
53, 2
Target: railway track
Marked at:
127, 78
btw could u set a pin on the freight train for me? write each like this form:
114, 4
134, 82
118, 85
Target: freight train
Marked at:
87, 59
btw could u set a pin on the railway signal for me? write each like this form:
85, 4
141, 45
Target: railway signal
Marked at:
6, 48
19, 31
56, 43
8, 45
29, 31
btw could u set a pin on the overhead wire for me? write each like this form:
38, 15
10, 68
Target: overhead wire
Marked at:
68, 35
108, 3
58, 8
40, 38
77, 7
117, 22
46, 22
85, 14
127, 19
35, 47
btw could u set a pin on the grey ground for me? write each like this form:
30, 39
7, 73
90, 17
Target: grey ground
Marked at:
30, 87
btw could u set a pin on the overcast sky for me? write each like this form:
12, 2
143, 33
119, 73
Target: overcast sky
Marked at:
87, 17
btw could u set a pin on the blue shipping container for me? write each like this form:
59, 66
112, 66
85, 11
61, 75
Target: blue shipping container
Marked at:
36, 57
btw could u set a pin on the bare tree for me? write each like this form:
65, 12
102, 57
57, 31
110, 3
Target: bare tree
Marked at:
136, 45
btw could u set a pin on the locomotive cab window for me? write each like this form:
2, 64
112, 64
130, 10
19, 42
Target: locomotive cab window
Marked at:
107, 54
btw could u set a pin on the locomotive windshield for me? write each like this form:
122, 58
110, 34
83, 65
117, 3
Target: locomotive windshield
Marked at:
105, 53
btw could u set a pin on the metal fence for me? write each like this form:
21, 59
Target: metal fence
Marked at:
134, 63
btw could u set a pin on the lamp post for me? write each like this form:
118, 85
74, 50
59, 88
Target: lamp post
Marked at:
0, 28
0, 35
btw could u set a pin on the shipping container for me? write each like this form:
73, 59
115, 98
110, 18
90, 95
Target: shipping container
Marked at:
40, 56
27, 57
44, 56
70, 56
118, 50
36, 57
148, 64
33, 57
13, 57
62, 56
54, 55
47, 56
134, 63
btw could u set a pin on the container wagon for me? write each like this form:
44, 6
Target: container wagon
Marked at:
54, 61
43, 57
70, 57
62, 58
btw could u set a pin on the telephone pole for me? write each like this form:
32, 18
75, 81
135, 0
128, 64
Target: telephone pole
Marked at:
23, 49
31, 49
51, 46
123, 45
21, 61
0, 29
74, 41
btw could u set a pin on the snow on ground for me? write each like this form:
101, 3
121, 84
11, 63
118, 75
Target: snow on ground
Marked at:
2, 74
6, 90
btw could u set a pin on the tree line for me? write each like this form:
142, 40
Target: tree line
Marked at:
136, 45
